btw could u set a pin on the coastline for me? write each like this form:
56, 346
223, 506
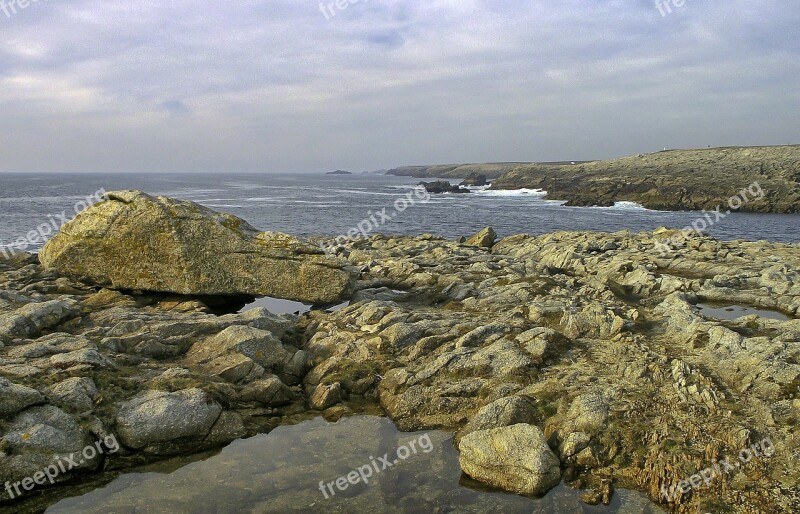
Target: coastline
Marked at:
671, 180
592, 340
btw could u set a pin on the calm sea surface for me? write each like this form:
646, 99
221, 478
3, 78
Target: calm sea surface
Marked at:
306, 205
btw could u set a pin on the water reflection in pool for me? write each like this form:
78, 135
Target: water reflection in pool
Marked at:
732, 312
281, 471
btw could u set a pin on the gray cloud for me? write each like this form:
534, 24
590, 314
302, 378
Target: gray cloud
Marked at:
138, 86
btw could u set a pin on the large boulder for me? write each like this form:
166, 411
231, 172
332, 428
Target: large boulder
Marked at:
135, 241
514, 458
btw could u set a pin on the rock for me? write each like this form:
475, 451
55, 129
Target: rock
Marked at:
379, 294
88, 357
593, 320
258, 346
504, 412
174, 373
442, 186
574, 443
295, 369
587, 413
232, 367
514, 458
485, 238
229, 427
51, 344
538, 342
268, 391
422, 407
75, 394
475, 180
262, 319
29, 320
482, 335
401, 335
326, 396
14, 397
134, 241
163, 423
39, 437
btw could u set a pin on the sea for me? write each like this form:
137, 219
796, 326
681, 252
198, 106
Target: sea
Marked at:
334, 205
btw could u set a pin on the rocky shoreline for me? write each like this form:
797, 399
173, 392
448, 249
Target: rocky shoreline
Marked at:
672, 180
575, 357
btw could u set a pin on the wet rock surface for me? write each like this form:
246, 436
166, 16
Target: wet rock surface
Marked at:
442, 186
591, 340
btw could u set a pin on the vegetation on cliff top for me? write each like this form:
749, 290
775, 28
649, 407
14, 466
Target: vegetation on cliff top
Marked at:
673, 179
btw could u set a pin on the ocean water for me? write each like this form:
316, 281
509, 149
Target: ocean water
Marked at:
306, 205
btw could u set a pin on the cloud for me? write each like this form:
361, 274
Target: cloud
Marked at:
273, 85
175, 107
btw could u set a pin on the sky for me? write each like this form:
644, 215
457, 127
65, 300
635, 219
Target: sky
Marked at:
298, 86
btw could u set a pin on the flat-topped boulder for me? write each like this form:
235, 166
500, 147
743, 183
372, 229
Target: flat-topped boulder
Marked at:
135, 241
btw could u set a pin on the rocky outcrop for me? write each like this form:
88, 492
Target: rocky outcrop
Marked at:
514, 458
442, 186
593, 338
512, 410
133, 241
475, 179
593, 342
673, 180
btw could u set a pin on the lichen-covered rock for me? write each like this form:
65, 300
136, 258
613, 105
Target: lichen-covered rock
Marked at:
484, 239
234, 352
15, 397
161, 422
29, 320
135, 241
76, 394
326, 396
39, 437
268, 391
504, 412
514, 458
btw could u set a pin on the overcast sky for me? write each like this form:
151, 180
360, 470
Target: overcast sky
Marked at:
275, 86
